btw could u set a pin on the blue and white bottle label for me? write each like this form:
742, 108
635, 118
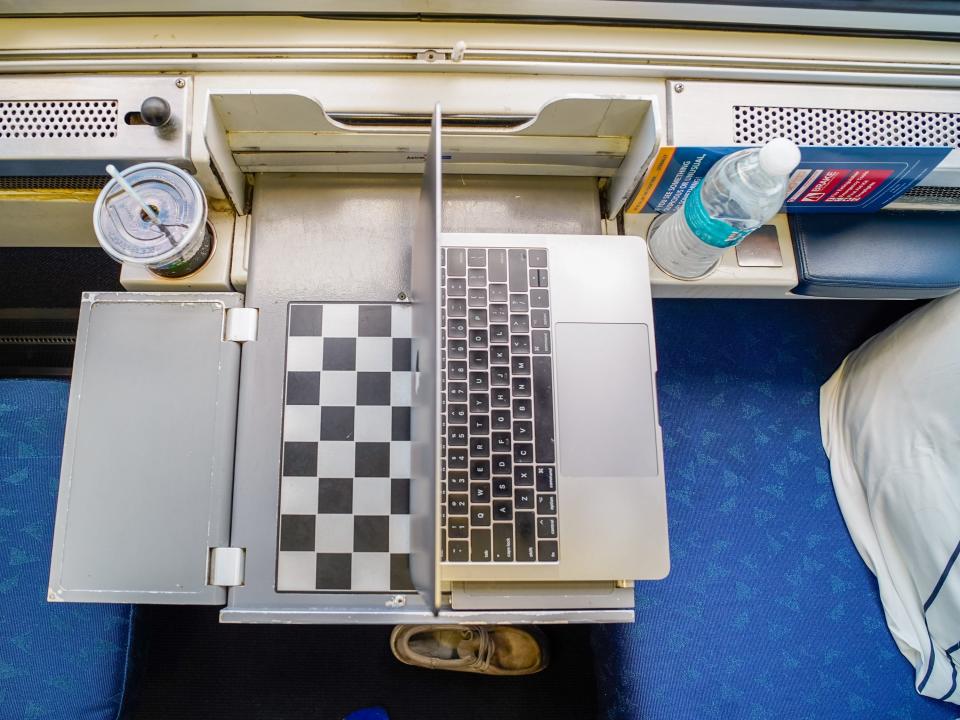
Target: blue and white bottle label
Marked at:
712, 231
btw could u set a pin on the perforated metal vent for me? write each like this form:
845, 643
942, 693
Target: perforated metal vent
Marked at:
53, 182
75, 119
932, 195
755, 125
929, 192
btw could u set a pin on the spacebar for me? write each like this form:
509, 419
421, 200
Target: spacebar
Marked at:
543, 409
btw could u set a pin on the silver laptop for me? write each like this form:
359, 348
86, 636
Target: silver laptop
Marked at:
537, 452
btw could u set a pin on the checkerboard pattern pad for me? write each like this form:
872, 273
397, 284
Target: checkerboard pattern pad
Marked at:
344, 487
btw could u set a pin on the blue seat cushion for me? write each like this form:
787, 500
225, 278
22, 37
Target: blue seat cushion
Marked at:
894, 255
57, 660
768, 611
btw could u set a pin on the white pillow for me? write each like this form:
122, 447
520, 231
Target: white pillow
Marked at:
890, 421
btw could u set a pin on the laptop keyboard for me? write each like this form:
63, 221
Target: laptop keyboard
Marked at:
499, 491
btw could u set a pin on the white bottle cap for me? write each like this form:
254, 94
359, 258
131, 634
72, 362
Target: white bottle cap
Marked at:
779, 157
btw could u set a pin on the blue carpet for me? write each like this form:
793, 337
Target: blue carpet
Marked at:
768, 611
57, 660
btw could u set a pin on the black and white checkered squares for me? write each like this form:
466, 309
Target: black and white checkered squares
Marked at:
344, 494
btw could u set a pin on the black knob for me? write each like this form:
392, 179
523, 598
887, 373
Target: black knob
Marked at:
155, 111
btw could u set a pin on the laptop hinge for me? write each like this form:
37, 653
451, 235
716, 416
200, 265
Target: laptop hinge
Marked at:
241, 325
226, 566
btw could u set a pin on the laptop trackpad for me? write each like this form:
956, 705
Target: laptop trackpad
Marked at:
607, 424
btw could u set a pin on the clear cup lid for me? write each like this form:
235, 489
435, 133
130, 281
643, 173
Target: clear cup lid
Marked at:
129, 235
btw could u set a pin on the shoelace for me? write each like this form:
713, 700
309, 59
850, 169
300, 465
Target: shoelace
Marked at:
485, 650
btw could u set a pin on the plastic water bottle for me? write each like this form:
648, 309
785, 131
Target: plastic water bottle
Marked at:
739, 194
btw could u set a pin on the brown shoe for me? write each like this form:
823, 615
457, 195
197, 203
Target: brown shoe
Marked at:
489, 650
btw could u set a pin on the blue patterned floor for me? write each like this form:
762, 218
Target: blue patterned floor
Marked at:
769, 611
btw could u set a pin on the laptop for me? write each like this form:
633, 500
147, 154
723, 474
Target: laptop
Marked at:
536, 451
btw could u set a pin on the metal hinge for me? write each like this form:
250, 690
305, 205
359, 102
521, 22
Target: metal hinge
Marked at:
226, 566
241, 325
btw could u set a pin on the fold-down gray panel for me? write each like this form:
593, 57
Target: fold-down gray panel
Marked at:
147, 473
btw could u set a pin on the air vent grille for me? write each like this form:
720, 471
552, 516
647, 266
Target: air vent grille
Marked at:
931, 195
73, 119
755, 125
53, 182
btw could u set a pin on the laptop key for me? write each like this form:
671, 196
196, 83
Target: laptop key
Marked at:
523, 430
479, 360
478, 339
539, 318
543, 429
456, 287
480, 545
503, 548
457, 436
477, 297
501, 442
502, 486
500, 397
480, 515
499, 313
520, 365
477, 318
479, 381
457, 392
457, 504
499, 333
500, 376
500, 419
537, 257
520, 344
456, 328
457, 349
546, 478
546, 504
456, 262
456, 413
519, 303
480, 470
519, 323
523, 452
543, 277
524, 524
457, 550
502, 510
548, 551
479, 425
497, 265
524, 499
479, 492
456, 307
522, 410
540, 342
521, 387
457, 459
479, 446
523, 476
479, 403
457, 481
476, 257
499, 293
499, 354
534, 277
502, 464
517, 270
539, 297
477, 277
546, 527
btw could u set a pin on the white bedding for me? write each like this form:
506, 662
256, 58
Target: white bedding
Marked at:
890, 421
